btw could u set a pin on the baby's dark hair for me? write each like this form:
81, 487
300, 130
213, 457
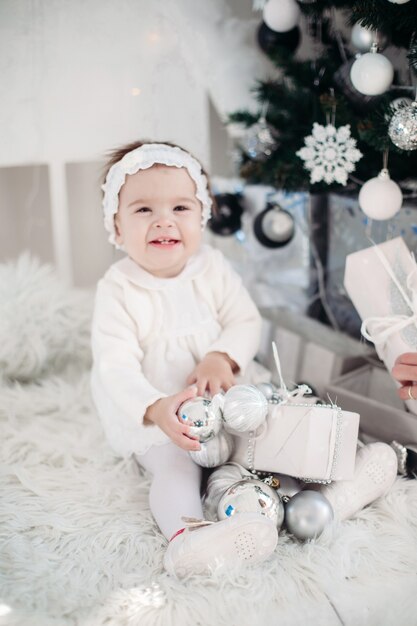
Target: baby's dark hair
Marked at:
113, 156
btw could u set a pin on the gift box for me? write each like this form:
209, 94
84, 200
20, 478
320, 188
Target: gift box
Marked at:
311, 442
382, 284
371, 392
309, 351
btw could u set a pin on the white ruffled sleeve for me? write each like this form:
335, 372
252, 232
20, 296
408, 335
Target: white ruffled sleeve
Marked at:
237, 314
120, 390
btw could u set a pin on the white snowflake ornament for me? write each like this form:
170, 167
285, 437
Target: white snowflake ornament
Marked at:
329, 154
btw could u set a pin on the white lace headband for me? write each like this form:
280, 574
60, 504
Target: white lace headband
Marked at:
141, 159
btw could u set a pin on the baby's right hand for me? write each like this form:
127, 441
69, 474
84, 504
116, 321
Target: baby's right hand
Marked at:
163, 413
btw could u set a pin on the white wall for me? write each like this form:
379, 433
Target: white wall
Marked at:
78, 78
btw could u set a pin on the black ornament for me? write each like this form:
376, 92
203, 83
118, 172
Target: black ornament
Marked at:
274, 227
269, 40
228, 217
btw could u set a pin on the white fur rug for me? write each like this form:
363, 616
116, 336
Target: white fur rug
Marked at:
79, 547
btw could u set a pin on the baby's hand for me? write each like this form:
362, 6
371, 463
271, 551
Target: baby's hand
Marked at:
214, 372
163, 413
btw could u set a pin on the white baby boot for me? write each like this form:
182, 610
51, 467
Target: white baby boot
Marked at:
245, 538
375, 473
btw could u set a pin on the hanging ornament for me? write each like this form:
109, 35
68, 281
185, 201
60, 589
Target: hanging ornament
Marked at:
329, 154
362, 38
203, 416
281, 15
245, 408
359, 101
214, 452
307, 514
380, 198
258, 141
227, 219
274, 227
403, 127
398, 1
251, 496
372, 73
269, 40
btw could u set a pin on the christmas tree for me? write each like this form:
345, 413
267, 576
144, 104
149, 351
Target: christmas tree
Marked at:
358, 96
342, 119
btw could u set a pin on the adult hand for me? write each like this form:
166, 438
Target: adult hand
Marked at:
163, 413
405, 371
214, 372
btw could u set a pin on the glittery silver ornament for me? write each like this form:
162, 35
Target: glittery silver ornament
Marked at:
245, 408
219, 481
258, 141
214, 452
203, 416
307, 514
254, 496
403, 127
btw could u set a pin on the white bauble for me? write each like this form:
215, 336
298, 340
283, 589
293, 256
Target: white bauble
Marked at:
245, 408
398, 1
214, 452
380, 198
372, 74
281, 15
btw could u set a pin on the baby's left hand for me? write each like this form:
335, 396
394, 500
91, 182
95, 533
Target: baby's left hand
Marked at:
214, 372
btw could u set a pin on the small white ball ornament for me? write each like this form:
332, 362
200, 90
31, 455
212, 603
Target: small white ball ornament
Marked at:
245, 408
372, 73
380, 198
398, 1
281, 15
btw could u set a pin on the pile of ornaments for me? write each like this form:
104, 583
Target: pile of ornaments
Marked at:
241, 409
231, 489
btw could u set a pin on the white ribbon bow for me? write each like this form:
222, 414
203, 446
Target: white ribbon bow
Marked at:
379, 329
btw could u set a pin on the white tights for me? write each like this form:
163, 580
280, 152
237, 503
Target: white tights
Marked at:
175, 488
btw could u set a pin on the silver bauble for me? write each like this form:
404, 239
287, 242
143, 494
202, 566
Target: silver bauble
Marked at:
403, 127
214, 452
251, 496
203, 416
245, 408
220, 480
267, 389
307, 514
258, 141
362, 38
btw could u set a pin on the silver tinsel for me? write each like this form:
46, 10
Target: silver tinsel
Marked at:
258, 141
214, 452
403, 127
251, 496
203, 416
307, 514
